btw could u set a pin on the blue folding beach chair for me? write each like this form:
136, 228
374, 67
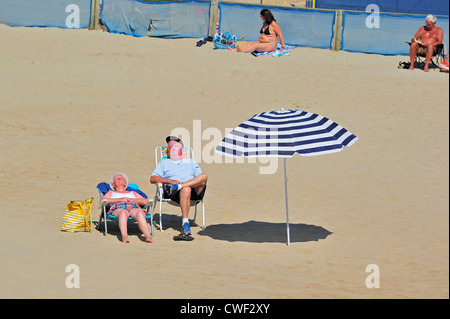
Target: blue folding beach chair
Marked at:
103, 188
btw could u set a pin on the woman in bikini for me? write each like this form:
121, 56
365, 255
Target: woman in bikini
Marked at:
267, 41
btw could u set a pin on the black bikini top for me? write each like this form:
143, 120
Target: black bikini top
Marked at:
267, 31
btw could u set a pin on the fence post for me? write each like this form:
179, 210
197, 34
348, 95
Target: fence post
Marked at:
213, 17
94, 14
336, 42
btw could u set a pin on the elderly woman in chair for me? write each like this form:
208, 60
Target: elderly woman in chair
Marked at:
125, 204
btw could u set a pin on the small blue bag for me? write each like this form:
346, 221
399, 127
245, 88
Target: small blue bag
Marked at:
224, 40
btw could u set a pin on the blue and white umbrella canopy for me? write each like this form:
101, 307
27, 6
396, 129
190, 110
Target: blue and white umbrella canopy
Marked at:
284, 133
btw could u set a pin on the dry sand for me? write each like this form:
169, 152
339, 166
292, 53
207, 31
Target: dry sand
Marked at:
78, 105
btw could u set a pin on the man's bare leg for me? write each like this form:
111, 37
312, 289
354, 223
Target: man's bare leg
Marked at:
198, 184
429, 54
412, 54
185, 201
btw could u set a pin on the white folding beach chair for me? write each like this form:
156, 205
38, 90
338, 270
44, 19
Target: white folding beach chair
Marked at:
161, 152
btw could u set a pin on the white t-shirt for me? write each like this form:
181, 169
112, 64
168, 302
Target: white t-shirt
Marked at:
120, 195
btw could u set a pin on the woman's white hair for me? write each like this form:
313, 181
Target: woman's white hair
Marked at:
111, 180
431, 18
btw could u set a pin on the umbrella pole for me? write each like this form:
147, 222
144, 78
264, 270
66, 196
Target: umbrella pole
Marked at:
287, 211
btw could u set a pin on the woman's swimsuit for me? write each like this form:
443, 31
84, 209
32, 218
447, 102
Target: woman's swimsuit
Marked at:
267, 32
123, 205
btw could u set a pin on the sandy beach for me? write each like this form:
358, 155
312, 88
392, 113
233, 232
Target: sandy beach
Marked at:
78, 105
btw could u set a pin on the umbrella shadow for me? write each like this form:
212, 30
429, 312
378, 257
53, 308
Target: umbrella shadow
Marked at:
264, 232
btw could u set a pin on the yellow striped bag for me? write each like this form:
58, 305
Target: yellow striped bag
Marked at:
77, 217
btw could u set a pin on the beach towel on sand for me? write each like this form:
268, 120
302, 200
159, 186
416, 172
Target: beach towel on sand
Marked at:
286, 47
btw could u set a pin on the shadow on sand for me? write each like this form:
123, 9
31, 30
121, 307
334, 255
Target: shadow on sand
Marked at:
264, 232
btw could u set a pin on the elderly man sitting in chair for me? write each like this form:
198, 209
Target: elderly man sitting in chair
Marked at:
187, 181
425, 41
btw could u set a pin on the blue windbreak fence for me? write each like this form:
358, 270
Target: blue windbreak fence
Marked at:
301, 27
361, 33
365, 32
436, 7
46, 13
176, 19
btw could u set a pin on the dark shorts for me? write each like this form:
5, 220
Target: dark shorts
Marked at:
175, 195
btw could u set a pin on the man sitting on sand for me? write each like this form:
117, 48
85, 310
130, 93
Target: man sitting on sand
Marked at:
425, 41
185, 178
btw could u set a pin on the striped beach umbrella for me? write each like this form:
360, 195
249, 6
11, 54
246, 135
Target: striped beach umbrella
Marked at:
284, 133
